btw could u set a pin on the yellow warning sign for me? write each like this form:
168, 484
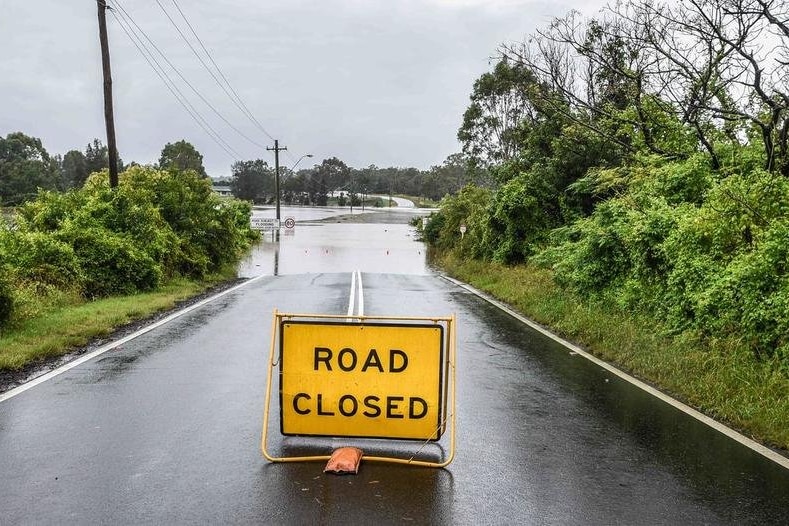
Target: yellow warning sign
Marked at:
372, 380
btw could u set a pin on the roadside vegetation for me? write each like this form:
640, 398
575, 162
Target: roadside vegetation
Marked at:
718, 376
75, 264
642, 197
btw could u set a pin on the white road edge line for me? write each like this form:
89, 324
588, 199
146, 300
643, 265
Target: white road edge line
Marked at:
731, 433
360, 309
352, 299
114, 344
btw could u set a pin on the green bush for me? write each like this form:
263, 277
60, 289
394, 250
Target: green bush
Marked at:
469, 207
112, 264
36, 256
6, 297
227, 234
719, 267
49, 210
688, 181
435, 224
591, 254
728, 268
521, 212
211, 232
172, 217
106, 241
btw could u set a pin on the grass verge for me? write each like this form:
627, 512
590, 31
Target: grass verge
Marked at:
721, 378
62, 328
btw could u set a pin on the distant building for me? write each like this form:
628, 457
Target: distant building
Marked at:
222, 190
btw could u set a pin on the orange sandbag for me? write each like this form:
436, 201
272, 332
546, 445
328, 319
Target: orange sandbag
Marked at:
344, 461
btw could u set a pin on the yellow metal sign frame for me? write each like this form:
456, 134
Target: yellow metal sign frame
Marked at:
447, 381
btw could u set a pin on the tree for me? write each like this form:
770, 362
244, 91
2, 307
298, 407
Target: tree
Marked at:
589, 76
334, 173
25, 166
726, 61
182, 156
252, 180
97, 158
501, 101
453, 174
74, 169
329, 176
671, 78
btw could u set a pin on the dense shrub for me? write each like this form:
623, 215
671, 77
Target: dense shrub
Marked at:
105, 241
521, 213
112, 263
434, 227
728, 268
469, 208
591, 254
702, 249
227, 233
126, 210
36, 256
718, 267
6, 297
211, 232
119, 240
678, 182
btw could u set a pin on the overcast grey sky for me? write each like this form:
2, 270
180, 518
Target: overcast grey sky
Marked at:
370, 82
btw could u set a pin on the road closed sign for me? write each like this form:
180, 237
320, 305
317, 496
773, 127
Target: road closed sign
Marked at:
371, 380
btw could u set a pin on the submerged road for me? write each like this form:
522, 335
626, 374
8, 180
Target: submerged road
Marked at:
165, 428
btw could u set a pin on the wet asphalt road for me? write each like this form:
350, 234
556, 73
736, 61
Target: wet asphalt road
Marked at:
166, 428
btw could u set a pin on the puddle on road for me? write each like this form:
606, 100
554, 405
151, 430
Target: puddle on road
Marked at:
337, 247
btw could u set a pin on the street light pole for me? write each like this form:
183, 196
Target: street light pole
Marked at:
300, 158
276, 150
297, 162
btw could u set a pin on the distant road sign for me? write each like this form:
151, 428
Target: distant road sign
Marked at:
264, 223
290, 222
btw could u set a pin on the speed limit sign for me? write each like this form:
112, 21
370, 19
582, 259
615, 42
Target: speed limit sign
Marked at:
290, 222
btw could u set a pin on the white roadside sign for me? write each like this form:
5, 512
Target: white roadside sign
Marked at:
264, 223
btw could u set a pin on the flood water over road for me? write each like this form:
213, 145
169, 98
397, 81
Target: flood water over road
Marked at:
333, 240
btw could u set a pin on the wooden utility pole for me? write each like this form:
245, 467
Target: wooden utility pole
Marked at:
276, 149
112, 150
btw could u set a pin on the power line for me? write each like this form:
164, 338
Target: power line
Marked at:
168, 82
190, 109
185, 80
172, 86
232, 93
